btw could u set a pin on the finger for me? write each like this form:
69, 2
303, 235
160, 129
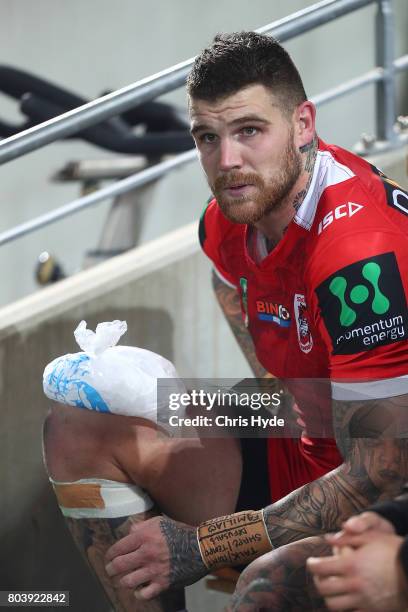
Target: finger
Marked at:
349, 541
327, 566
126, 545
136, 579
336, 540
149, 592
342, 602
343, 551
124, 563
332, 537
115, 582
362, 522
333, 585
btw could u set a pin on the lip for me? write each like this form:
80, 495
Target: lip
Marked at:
389, 474
236, 185
238, 189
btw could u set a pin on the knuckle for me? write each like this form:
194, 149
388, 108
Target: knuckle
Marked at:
156, 573
149, 574
149, 551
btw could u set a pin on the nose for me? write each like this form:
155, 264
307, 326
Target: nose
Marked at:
230, 155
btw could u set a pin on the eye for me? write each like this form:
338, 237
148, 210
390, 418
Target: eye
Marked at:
207, 138
249, 130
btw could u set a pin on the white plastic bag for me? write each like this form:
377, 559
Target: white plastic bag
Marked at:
108, 378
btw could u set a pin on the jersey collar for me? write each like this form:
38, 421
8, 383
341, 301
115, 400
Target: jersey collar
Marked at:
327, 171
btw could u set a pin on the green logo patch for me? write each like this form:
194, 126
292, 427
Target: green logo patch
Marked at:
244, 292
364, 305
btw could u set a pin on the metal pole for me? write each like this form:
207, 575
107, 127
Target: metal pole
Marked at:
311, 17
131, 182
385, 89
401, 63
119, 101
93, 112
372, 76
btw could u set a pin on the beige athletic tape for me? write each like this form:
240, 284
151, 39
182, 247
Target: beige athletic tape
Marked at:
79, 495
233, 540
99, 498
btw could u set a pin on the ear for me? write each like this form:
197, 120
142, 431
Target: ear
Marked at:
305, 123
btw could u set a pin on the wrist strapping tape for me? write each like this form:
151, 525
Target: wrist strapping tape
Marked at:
235, 539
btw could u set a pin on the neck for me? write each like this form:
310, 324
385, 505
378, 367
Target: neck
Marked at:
275, 223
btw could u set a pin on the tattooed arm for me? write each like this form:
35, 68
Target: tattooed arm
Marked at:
374, 468
228, 299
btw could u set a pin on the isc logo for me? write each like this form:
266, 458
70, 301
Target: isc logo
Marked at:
344, 210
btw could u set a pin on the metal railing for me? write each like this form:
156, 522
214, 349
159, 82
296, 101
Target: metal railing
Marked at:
383, 75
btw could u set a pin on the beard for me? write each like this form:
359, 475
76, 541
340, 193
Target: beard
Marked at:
269, 193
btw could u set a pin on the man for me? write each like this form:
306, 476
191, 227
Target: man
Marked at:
312, 229
102, 466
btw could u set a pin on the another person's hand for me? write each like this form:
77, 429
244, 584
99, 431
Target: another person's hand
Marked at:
365, 575
156, 555
359, 524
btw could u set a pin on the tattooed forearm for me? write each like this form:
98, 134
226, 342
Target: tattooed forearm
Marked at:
228, 299
375, 467
279, 580
185, 556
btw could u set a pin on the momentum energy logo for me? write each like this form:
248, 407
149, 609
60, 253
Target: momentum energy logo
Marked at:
364, 305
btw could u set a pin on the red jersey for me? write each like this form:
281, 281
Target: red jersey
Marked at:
329, 301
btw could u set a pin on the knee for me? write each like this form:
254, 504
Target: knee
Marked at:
255, 586
279, 578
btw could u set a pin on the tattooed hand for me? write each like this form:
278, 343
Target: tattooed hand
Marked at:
156, 555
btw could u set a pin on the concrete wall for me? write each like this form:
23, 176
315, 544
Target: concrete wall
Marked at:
97, 45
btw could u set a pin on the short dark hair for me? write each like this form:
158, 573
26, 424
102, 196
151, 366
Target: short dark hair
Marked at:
239, 59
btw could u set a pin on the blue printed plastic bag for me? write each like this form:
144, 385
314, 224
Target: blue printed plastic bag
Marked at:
108, 378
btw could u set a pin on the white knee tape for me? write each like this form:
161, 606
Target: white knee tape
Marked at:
99, 498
